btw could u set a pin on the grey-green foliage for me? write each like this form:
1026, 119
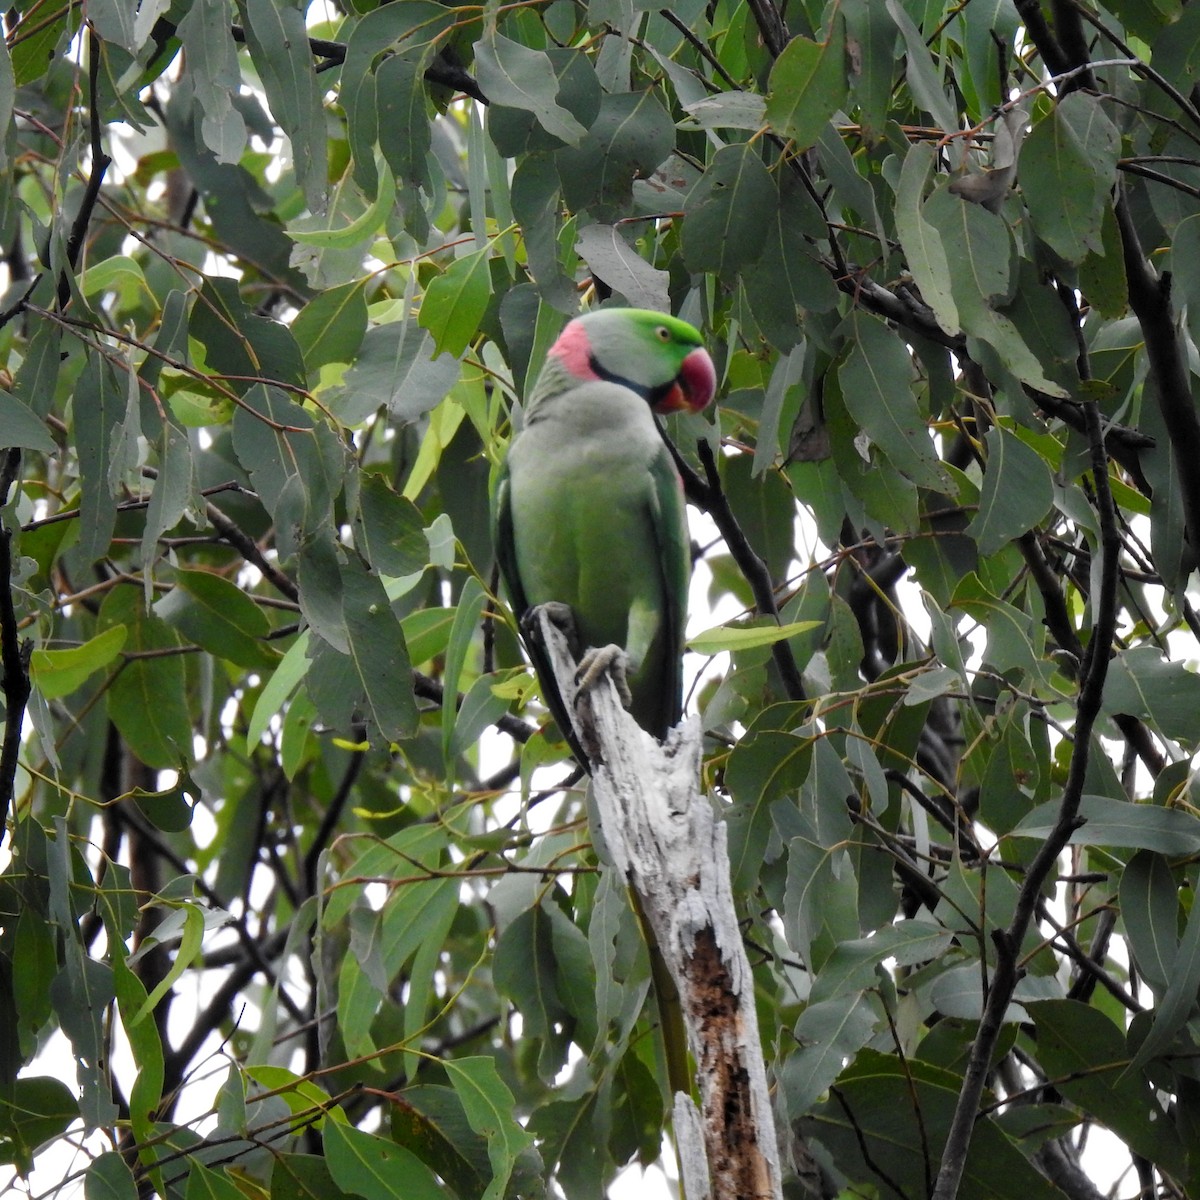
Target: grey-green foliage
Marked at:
275, 806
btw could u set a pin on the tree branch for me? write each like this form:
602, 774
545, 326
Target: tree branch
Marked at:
1008, 941
91, 193
710, 495
1150, 299
770, 25
15, 653
663, 838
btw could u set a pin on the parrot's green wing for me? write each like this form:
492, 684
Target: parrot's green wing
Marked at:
669, 521
506, 558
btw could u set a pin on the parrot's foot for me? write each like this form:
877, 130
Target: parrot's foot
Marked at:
611, 660
561, 616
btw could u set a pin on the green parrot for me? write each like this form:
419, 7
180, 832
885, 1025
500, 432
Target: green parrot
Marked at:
589, 513
589, 519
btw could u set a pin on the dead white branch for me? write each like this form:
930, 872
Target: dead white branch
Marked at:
664, 838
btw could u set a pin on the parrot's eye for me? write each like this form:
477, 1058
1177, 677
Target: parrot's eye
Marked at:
663, 333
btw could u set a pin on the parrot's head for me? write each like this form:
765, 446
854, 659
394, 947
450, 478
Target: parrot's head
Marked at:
658, 356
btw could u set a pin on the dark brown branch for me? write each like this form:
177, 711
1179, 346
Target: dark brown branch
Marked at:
250, 551
770, 25
429, 689
91, 193
710, 495
1008, 941
254, 954
1145, 70
1030, 12
333, 815
1089, 966
1150, 299
14, 653
441, 70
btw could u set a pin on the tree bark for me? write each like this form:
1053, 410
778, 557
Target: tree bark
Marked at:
664, 838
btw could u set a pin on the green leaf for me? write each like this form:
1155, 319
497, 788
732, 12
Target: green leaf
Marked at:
147, 699
189, 947
630, 137
490, 1109
612, 259
525, 969
1122, 824
481, 708
1068, 169
36, 1109
207, 1184
788, 281
278, 41
109, 1178
1017, 491
99, 414
1178, 1002
377, 650
877, 390
396, 367
216, 614
144, 1042
829, 1032
367, 224
889, 1119
920, 239
299, 1093
241, 344
287, 675
1085, 1053
120, 274
1142, 683
33, 52
58, 673
807, 86
405, 133
429, 1120
854, 965
34, 965
8, 93
923, 77
762, 767
212, 66
303, 1177
455, 302
1015, 639
728, 110
741, 637
520, 77
330, 327
1150, 913
723, 226
979, 249
375, 1168
174, 490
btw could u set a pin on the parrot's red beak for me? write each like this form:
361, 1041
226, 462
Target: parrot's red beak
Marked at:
694, 386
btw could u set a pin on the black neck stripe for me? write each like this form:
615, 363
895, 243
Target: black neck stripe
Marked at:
652, 395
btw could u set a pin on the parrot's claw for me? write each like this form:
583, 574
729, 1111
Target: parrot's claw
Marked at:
602, 660
561, 616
